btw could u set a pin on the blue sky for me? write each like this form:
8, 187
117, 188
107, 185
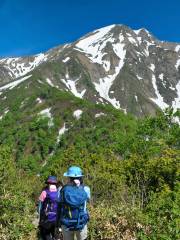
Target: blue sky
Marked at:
31, 26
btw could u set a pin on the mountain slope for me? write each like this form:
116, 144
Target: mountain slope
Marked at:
45, 127
38, 117
129, 69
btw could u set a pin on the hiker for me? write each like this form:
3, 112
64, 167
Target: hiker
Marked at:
47, 209
73, 215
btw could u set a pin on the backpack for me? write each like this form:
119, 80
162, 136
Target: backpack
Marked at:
49, 207
73, 214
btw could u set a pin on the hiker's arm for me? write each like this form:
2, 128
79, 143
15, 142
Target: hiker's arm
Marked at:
39, 207
41, 200
88, 192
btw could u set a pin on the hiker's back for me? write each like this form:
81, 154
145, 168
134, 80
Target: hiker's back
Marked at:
73, 215
48, 205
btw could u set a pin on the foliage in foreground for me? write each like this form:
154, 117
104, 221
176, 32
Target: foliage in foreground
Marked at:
133, 173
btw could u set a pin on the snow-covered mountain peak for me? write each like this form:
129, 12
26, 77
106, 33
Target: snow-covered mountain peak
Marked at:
104, 30
93, 45
90, 43
130, 69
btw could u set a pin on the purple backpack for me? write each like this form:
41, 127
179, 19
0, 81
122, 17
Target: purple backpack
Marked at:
49, 207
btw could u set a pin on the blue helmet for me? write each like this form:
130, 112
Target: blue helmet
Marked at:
52, 180
74, 171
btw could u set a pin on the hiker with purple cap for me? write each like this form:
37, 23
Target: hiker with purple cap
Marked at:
47, 209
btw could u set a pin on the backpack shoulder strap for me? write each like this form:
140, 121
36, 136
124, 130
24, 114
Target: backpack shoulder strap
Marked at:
61, 193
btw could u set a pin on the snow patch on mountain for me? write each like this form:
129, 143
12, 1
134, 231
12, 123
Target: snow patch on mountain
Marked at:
159, 100
136, 98
39, 58
172, 88
14, 83
152, 67
47, 113
106, 65
5, 112
94, 44
140, 78
39, 100
99, 114
19, 67
177, 48
71, 85
61, 132
146, 51
176, 102
137, 31
66, 59
104, 84
50, 82
161, 76
77, 113
177, 64
133, 41
139, 40
58, 139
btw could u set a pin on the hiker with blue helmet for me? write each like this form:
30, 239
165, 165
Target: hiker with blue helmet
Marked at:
73, 215
47, 209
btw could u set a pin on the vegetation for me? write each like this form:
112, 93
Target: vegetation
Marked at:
132, 166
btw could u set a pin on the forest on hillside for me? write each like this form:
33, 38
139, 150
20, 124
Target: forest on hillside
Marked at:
132, 167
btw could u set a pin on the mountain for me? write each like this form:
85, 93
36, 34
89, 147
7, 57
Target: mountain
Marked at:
63, 108
129, 69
